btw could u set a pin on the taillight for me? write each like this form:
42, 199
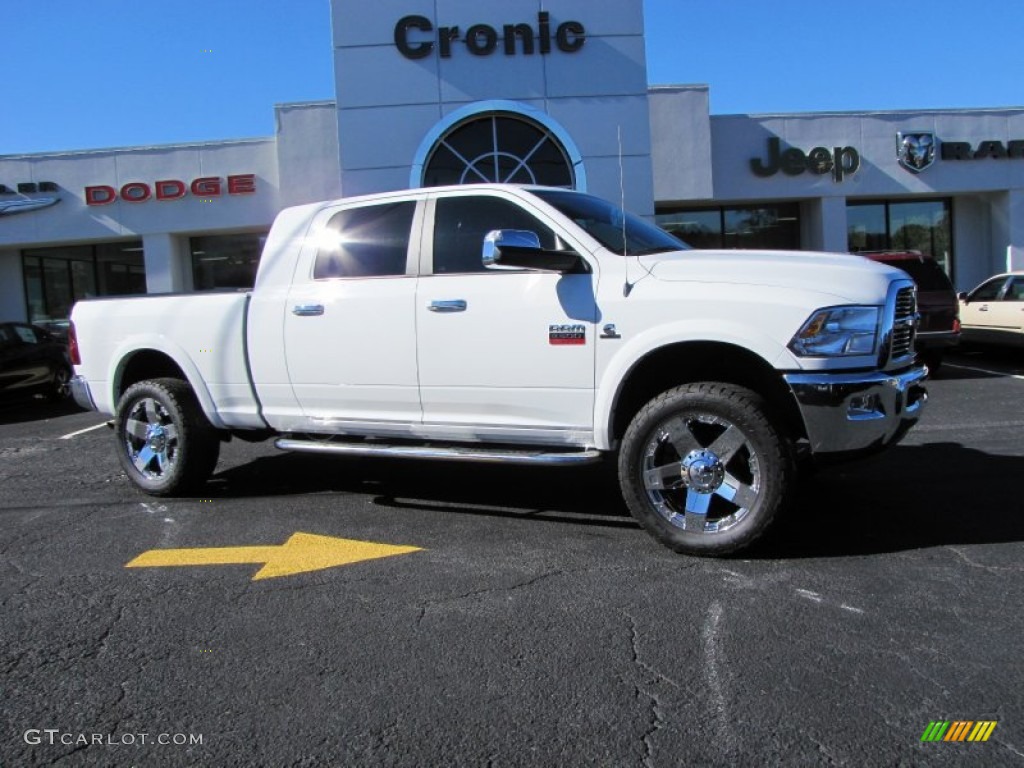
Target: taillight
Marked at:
73, 353
956, 325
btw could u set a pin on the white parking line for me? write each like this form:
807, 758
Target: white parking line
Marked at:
985, 370
82, 431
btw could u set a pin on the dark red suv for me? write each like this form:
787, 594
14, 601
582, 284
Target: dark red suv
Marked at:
939, 328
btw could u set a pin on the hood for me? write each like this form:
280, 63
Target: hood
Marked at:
847, 277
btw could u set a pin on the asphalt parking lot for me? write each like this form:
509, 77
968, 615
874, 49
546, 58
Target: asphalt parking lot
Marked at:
535, 624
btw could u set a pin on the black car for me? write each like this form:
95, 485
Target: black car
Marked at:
32, 361
939, 326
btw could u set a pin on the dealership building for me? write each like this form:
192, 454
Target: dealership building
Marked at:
554, 92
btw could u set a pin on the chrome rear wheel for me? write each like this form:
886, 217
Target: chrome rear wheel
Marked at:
166, 445
151, 438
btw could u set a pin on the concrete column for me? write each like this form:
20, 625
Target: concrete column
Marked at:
12, 287
1015, 229
974, 255
833, 218
824, 225
167, 263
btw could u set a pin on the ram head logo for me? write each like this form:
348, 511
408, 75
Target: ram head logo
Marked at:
916, 150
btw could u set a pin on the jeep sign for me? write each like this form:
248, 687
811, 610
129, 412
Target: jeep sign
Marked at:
840, 161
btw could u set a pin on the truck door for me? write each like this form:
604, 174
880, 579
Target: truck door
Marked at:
503, 355
349, 320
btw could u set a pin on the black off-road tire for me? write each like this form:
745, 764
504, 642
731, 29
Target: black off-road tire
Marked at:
684, 430
165, 443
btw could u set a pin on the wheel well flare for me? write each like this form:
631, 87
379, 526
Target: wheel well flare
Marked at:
146, 364
690, 362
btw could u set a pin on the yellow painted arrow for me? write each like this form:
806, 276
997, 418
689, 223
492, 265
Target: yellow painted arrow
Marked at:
302, 553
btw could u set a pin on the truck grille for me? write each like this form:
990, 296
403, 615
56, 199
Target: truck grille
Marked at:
904, 323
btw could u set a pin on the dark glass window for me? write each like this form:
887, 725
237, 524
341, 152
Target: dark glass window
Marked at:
923, 227
866, 228
226, 261
701, 229
120, 270
55, 278
1015, 290
372, 241
499, 147
461, 223
909, 225
989, 290
774, 226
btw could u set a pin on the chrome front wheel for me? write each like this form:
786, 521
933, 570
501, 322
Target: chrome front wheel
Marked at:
701, 472
703, 468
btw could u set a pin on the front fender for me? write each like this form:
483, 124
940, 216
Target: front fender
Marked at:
615, 371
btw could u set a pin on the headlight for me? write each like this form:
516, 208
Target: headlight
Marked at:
838, 332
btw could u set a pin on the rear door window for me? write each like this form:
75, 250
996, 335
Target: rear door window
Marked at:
371, 241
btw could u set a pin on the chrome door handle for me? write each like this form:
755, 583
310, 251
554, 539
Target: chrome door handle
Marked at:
983, 308
455, 305
308, 310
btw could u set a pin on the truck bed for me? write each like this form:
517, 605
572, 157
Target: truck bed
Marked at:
203, 332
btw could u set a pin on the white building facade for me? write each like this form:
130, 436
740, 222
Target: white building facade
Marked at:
523, 91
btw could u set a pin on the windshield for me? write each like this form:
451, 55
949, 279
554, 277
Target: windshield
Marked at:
619, 232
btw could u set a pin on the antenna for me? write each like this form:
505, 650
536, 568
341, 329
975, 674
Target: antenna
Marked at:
628, 286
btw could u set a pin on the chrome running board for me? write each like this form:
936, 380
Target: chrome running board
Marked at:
443, 453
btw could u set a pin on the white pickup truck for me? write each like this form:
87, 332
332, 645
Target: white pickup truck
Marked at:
518, 325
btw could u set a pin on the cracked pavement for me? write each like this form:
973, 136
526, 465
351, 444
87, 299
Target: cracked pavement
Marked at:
539, 626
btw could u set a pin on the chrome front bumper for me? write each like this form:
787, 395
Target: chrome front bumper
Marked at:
82, 394
846, 412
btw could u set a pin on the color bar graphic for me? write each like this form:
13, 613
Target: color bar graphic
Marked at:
982, 730
959, 730
935, 730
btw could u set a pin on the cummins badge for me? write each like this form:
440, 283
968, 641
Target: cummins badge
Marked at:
916, 150
567, 335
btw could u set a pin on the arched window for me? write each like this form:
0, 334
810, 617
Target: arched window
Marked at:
502, 147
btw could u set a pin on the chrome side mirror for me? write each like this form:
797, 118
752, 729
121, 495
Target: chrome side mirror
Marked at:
521, 249
504, 242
